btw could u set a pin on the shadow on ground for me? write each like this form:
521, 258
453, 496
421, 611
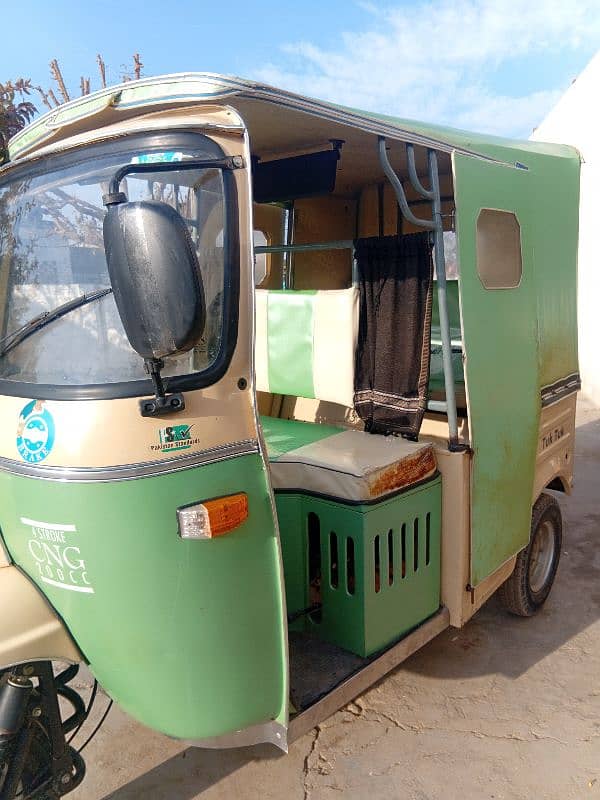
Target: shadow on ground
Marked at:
191, 772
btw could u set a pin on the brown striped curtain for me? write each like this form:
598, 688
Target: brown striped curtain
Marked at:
392, 361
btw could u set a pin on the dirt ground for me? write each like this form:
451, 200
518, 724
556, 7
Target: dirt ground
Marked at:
505, 708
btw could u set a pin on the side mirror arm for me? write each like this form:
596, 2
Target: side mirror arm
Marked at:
162, 403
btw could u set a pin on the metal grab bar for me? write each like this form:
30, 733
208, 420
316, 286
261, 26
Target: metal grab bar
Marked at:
343, 244
428, 194
435, 225
340, 244
399, 191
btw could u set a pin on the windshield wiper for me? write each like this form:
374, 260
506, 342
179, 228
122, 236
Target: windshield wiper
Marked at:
16, 337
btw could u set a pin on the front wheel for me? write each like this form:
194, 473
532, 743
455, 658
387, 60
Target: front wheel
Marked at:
529, 585
36, 760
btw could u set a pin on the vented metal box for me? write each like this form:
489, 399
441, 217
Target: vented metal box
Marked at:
374, 569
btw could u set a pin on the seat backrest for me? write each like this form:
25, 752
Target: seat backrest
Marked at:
306, 343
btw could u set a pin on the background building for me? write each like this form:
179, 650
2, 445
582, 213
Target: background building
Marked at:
575, 120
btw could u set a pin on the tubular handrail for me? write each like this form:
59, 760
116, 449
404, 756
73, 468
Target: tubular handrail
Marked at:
399, 191
412, 174
435, 225
342, 244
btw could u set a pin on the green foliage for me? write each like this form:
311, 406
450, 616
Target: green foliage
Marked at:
15, 109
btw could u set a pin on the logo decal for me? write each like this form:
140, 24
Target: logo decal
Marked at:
175, 437
35, 432
56, 554
552, 437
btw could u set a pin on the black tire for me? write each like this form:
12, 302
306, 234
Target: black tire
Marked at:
527, 589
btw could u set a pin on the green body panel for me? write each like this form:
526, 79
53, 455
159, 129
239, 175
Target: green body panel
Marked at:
188, 636
508, 347
379, 604
284, 435
290, 510
555, 225
290, 318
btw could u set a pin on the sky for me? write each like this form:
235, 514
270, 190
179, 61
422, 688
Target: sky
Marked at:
496, 66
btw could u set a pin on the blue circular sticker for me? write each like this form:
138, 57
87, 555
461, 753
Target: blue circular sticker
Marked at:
35, 432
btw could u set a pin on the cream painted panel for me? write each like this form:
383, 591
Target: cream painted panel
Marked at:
556, 445
310, 410
261, 349
264, 403
334, 345
31, 631
323, 219
435, 428
456, 481
101, 433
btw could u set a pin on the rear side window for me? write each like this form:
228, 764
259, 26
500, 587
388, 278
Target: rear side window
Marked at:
499, 261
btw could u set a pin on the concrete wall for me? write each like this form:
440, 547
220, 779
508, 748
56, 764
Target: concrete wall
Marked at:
575, 120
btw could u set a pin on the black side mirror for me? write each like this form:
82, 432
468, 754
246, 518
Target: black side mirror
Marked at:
157, 285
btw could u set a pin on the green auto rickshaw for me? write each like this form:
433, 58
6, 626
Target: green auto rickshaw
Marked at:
283, 386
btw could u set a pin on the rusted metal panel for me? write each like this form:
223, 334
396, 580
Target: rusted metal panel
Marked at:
410, 470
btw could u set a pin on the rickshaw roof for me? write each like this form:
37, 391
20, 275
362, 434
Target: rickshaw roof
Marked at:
133, 98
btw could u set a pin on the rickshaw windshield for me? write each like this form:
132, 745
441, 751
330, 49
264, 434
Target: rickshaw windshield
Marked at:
52, 252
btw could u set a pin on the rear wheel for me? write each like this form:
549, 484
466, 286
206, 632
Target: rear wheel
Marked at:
529, 585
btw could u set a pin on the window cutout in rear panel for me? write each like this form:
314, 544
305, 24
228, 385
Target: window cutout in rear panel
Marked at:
499, 262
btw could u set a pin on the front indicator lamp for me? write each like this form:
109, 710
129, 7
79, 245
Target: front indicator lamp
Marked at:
212, 518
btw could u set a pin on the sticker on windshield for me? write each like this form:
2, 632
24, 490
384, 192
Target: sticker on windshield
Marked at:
156, 158
35, 432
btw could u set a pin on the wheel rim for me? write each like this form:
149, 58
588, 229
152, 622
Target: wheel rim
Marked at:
542, 556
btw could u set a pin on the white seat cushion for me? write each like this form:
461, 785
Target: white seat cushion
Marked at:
353, 466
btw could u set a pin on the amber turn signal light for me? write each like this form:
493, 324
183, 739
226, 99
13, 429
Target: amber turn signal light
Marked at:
212, 517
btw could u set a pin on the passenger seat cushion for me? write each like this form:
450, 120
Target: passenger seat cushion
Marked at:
350, 465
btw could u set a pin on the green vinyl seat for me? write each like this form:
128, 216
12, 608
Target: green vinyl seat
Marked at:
285, 435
